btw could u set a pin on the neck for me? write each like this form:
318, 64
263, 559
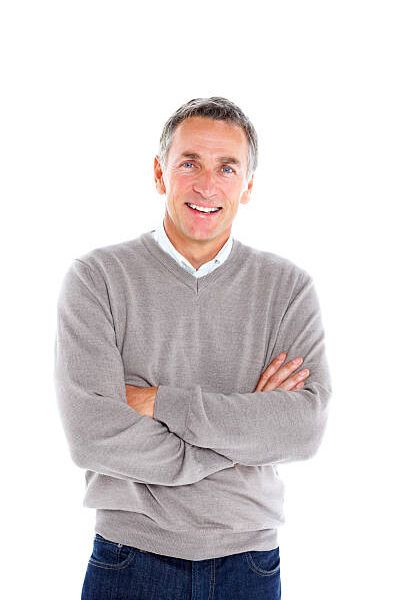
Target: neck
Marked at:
197, 252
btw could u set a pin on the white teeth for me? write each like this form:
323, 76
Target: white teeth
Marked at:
202, 209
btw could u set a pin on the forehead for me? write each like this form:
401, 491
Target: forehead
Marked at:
205, 134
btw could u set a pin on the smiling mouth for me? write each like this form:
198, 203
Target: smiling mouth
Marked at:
202, 210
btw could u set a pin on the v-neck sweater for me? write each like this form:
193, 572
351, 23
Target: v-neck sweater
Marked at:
199, 480
163, 240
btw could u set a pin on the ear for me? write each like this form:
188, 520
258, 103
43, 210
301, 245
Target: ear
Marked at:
246, 196
158, 176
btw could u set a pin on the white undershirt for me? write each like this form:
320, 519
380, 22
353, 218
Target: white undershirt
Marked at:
162, 239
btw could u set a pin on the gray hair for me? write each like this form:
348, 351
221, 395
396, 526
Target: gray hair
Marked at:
219, 109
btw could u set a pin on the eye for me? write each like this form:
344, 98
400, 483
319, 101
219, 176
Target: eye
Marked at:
230, 169
186, 163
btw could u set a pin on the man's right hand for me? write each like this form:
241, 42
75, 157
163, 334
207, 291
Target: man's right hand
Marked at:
278, 376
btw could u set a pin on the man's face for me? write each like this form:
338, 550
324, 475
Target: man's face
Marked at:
206, 166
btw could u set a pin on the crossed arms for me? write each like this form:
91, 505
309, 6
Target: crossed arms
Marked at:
193, 433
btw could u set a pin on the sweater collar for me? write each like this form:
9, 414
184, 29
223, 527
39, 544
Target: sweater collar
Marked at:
163, 240
195, 283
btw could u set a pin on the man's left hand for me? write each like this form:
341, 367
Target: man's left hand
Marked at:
141, 399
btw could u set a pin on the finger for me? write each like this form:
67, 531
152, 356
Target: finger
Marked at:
298, 386
289, 383
284, 372
270, 370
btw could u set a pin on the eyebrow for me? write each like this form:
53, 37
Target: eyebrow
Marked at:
223, 159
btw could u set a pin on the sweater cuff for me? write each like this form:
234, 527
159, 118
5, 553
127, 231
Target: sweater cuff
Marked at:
172, 407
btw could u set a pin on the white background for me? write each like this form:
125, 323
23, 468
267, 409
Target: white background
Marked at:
86, 89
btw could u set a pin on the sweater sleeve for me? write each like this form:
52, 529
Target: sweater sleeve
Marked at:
262, 427
104, 433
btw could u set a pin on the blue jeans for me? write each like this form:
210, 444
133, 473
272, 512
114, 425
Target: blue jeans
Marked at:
119, 572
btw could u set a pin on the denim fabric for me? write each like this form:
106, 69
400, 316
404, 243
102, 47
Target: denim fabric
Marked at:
119, 572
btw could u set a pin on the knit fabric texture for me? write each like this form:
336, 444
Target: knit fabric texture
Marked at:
200, 479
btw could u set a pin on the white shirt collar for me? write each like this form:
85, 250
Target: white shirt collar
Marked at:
162, 239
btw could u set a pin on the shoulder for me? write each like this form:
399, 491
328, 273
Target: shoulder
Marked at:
271, 264
113, 257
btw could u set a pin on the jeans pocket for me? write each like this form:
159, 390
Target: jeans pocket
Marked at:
264, 562
110, 555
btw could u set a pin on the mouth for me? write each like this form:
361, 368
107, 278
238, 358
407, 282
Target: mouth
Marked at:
202, 211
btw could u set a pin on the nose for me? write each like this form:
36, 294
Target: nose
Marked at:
205, 184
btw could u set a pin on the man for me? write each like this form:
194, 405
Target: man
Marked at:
177, 362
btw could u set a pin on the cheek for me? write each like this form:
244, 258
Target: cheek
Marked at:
232, 191
180, 186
